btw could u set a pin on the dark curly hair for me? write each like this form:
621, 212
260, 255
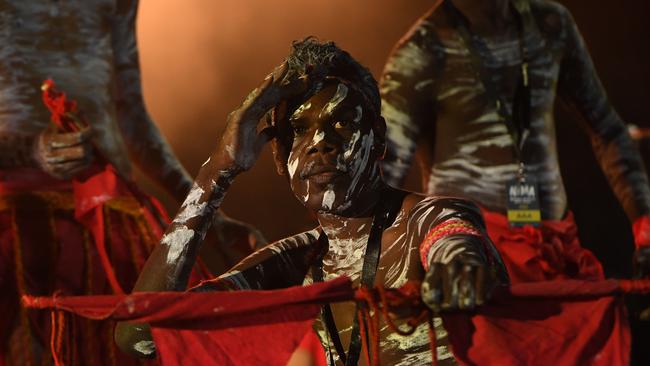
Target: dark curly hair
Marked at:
310, 52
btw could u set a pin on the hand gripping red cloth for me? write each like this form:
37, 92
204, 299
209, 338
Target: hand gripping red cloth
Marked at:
100, 184
556, 322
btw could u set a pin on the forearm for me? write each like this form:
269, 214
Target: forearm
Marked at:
147, 146
169, 266
407, 87
618, 156
623, 167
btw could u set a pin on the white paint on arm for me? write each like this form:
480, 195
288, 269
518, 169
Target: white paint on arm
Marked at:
145, 347
177, 241
192, 207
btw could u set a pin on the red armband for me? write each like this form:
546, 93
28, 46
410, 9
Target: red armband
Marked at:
443, 230
641, 230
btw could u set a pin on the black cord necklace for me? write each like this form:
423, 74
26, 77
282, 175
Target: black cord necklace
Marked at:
389, 204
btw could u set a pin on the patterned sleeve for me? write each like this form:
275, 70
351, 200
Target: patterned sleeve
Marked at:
147, 147
614, 149
406, 85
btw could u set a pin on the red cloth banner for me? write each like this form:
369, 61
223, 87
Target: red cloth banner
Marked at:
555, 322
216, 328
547, 323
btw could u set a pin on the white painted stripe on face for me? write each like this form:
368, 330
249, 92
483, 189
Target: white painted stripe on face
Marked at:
352, 144
300, 110
318, 137
361, 159
337, 98
292, 164
358, 114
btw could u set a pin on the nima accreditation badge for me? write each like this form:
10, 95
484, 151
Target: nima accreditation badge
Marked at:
523, 202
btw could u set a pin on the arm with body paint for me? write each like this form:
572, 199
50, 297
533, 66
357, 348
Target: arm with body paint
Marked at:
462, 266
147, 146
619, 158
406, 93
169, 266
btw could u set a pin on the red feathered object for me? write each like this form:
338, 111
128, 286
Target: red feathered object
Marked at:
64, 112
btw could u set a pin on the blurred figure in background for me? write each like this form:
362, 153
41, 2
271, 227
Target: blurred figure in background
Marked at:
472, 88
71, 218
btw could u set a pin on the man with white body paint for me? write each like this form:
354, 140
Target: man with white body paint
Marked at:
328, 141
472, 87
89, 49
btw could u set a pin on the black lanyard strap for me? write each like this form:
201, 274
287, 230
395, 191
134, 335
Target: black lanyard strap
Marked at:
517, 121
385, 213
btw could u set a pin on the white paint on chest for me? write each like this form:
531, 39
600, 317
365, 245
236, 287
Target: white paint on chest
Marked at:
328, 199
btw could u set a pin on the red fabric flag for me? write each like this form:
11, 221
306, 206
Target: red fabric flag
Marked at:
216, 328
549, 323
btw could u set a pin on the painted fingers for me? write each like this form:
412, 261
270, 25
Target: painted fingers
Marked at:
458, 285
244, 138
64, 155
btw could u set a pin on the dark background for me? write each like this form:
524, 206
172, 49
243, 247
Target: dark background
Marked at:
200, 58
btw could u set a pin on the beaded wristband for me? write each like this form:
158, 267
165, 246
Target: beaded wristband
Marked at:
443, 230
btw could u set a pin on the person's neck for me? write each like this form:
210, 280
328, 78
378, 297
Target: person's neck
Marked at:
357, 220
486, 16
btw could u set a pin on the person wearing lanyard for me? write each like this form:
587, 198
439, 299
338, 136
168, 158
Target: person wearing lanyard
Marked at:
328, 140
472, 87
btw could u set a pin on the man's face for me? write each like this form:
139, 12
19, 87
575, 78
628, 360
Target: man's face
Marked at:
334, 153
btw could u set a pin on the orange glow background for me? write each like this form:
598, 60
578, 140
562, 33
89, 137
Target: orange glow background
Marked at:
200, 58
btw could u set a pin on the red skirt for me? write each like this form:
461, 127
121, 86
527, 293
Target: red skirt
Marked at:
45, 250
550, 252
